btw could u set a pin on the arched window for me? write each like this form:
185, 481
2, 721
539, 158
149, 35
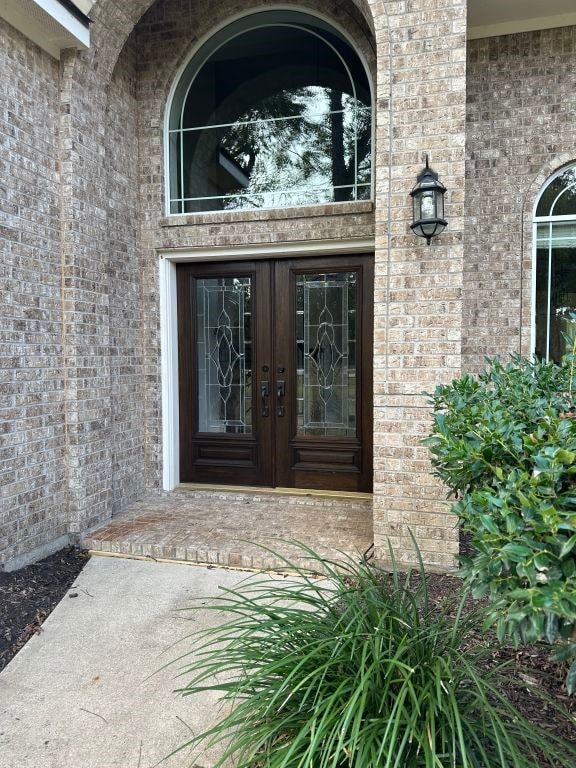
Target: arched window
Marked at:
272, 111
555, 272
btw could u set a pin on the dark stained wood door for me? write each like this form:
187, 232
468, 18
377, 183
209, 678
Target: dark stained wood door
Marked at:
323, 354
275, 373
225, 368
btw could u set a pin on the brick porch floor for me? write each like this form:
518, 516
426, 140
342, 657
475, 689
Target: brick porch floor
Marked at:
225, 528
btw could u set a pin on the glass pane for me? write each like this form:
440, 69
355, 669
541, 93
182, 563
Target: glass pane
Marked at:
566, 204
562, 299
224, 355
562, 234
175, 180
541, 347
252, 71
326, 373
555, 289
278, 116
275, 163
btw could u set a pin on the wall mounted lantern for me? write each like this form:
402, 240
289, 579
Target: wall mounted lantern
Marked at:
428, 201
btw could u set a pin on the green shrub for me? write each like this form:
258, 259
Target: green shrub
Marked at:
486, 426
505, 444
357, 669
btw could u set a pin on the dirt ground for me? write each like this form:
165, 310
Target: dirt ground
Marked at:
28, 596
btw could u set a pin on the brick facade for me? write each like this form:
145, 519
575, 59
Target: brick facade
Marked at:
84, 217
417, 309
125, 284
33, 483
520, 129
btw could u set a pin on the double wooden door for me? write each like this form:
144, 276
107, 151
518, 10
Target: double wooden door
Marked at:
275, 373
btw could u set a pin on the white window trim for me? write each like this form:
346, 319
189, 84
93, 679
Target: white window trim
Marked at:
169, 322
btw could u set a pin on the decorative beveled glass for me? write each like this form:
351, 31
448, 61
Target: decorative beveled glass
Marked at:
326, 342
224, 355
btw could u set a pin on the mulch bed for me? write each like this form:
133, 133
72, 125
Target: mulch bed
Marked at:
29, 595
530, 666
536, 669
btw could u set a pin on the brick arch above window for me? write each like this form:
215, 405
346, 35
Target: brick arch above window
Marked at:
114, 20
552, 166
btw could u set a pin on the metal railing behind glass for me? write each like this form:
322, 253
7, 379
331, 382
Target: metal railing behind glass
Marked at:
272, 162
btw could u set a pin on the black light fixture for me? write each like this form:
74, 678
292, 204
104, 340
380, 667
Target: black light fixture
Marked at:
428, 201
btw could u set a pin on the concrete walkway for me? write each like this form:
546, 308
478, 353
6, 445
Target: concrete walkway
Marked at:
79, 695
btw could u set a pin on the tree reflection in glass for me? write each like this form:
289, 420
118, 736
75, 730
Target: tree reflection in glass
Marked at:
278, 116
319, 154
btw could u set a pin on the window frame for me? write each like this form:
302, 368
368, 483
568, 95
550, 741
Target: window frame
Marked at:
219, 31
537, 221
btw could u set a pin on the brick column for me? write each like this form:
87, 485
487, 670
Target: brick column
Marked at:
87, 263
421, 103
85, 293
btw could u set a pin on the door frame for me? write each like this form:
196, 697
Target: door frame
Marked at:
168, 259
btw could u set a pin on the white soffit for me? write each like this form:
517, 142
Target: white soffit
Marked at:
51, 24
84, 5
490, 18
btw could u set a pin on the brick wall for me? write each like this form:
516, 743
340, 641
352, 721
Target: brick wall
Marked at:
125, 283
113, 96
418, 300
84, 112
521, 127
421, 108
32, 424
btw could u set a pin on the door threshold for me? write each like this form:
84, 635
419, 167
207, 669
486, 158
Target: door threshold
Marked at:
275, 491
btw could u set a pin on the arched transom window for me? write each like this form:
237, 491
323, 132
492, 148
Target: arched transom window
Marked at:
273, 111
555, 285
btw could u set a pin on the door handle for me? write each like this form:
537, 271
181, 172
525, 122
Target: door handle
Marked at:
280, 393
265, 393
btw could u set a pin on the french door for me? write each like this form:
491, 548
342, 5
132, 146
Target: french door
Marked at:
275, 373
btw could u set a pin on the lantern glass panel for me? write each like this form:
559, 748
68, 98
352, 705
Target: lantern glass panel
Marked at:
429, 228
440, 205
428, 205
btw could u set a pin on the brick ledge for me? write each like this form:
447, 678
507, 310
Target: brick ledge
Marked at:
270, 214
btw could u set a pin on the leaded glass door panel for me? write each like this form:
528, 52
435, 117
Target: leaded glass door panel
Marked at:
324, 355
275, 360
224, 367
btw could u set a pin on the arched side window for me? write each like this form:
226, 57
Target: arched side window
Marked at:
272, 111
555, 268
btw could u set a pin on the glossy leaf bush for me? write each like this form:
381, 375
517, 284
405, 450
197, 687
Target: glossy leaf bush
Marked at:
486, 426
357, 669
505, 445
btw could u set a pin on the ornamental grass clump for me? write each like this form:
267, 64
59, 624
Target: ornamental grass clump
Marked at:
357, 668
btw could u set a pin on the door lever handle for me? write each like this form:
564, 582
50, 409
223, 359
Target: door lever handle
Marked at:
280, 393
265, 393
